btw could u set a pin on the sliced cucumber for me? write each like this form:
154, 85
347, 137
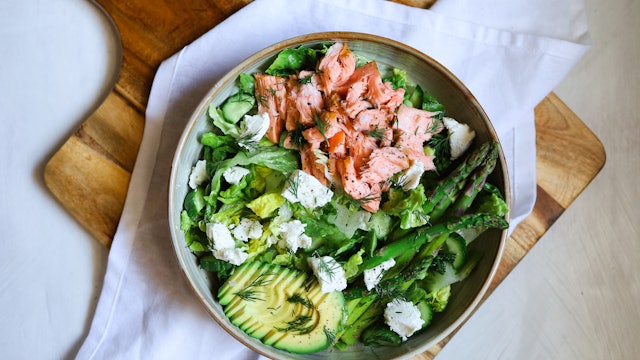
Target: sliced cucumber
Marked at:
282, 307
457, 245
237, 106
194, 203
426, 312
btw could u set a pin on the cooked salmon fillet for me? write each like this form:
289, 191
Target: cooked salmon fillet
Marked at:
356, 132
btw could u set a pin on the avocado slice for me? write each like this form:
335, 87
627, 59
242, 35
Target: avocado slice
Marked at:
282, 307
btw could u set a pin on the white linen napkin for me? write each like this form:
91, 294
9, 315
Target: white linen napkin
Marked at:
510, 54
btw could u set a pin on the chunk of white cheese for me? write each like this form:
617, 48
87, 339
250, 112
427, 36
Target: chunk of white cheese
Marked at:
460, 136
220, 235
329, 272
233, 256
410, 178
198, 174
247, 229
307, 190
292, 235
403, 317
373, 276
234, 174
224, 246
253, 129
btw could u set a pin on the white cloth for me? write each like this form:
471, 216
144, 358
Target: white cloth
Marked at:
510, 54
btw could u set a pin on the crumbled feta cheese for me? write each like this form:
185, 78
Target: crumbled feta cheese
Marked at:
330, 274
253, 129
233, 256
220, 235
234, 174
247, 229
410, 178
403, 317
224, 246
373, 276
292, 235
307, 190
460, 137
198, 174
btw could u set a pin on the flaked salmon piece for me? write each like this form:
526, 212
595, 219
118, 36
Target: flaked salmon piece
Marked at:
371, 119
314, 137
305, 100
417, 154
378, 93
311, 165
355, 187
417, 123
354, 102
271, 93
326, 126
415, 127
383, 164
396, 99
336, 66
337, 145
360, 148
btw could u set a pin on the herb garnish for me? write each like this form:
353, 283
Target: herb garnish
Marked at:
250, 293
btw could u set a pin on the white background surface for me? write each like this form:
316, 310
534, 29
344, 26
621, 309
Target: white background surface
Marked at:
574, 296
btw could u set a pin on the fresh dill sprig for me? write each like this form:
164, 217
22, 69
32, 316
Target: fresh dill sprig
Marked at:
299, 325
331, 337
377, 133
305, 80
364, 199
298, 299
250, 292
438, 263
326, 268
296, 135
322, 126
294, 183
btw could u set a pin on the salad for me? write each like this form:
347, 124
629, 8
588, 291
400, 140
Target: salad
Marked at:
334, 201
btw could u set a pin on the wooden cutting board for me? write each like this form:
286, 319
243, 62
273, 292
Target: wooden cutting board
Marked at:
90, 173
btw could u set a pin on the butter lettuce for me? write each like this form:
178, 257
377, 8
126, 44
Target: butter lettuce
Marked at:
407, 205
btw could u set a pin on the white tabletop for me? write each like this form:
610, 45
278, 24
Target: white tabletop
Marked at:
574, 296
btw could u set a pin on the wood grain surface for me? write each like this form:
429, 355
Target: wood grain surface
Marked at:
90, 173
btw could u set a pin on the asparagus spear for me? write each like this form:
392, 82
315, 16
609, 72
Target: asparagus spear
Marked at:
413, 241
372, 302
448, 189
475, 183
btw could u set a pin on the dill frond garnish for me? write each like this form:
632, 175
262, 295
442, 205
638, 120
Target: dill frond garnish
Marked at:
321, 127
294, 183
326, 268
305, 80
364, 199
377, 133
296, 135
331, 337
250, 293
298, 299
299, 325
435, 126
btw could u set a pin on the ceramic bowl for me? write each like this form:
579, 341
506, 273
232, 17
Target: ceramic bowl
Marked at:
459, 103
